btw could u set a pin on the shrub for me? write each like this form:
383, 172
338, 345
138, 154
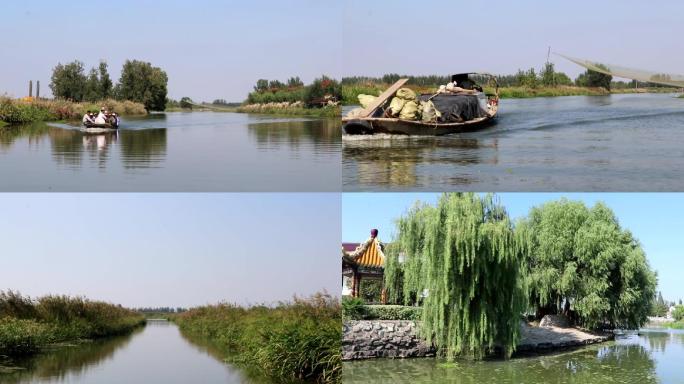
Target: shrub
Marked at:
393, 312
678, 313
353, 308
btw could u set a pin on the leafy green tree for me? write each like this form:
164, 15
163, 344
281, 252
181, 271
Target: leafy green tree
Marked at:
68, 81
295, 82
548, 75
463, 254
142, 82
105, 86
322, 89
261, 85
659, 307
186, 102
594, 79
580, 259
91, 91
371, 290
678, 312
275, 85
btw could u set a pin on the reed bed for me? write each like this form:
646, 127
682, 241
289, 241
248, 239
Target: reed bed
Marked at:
16, 111
26, 324
296, 341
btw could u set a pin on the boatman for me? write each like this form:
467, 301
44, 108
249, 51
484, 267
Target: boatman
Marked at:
87, 118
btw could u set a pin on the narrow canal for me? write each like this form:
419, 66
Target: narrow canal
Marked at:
653, 356
157, 353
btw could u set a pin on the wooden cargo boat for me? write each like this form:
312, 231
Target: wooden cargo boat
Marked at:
372, 119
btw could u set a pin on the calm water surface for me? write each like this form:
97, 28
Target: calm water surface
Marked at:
655, 356
157, 353
200, 151
599, 143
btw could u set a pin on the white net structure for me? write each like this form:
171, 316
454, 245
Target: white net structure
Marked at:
670, 79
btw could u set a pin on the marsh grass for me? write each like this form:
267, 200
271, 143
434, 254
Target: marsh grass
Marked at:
290, 109
290, 342
18, 111
26, 325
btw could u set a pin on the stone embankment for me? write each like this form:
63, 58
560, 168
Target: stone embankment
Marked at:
366, 339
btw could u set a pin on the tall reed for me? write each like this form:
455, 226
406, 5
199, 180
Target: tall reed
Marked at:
293, 341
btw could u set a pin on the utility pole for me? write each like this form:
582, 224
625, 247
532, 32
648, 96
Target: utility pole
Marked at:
37, 89
30, 88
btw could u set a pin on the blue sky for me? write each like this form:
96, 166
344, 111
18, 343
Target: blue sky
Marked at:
209, 49
655, 219
444, 37
171, 249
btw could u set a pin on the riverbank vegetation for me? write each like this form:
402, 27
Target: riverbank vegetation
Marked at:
19, 111
320, 98
546, 82
476, 274
27, 325
293, 341
139, 82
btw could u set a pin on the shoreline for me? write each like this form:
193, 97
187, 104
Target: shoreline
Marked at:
377, 339
526, 93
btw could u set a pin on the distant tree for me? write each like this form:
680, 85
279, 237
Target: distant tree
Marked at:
659, 307
68, 81
594, 79
105, 81
171, 103
219, 102
323, 88
261, 85
678, 312
186, 102
295, 82
142, 82
91, 91
548, 75
275, 85
680, 301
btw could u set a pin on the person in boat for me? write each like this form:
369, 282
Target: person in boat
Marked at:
101, 117
113, 119
88, 118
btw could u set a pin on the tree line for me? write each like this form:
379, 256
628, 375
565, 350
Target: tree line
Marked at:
531, 78
476, 273
316, 94
139, 81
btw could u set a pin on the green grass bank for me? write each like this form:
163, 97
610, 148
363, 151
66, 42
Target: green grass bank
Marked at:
297, 341
27, 325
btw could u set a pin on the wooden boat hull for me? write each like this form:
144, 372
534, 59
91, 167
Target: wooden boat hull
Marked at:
370, 126
99, 128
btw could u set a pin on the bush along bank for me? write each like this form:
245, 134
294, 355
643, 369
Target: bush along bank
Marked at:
285, 108
298, 341
19, 111
27, 325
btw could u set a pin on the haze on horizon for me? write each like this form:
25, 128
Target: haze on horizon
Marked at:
177, 250
209, 49
501, 37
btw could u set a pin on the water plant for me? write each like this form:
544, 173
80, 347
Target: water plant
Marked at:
28, 324
291, 341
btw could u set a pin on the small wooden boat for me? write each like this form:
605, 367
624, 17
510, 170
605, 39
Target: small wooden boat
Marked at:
99, 128
372, 120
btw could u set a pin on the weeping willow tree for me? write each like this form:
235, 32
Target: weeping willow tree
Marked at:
582, 263
462, 260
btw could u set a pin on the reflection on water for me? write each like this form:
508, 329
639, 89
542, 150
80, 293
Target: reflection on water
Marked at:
175, 152
617, 142
156, 353
651, 357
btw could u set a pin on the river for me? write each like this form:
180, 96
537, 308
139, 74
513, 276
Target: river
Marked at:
179, 151
157, 353
653, 356
628, 142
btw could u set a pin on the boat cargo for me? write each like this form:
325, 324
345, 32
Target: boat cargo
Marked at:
460, 106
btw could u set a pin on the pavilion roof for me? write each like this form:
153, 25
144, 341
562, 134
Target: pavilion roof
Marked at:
367, 254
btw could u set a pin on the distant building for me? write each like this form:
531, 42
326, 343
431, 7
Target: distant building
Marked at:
362, 261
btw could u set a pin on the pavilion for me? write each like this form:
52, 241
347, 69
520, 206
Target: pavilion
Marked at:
362, 261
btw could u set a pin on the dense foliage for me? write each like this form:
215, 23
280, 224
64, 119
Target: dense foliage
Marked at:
300, 340
27, 325
142, 82
69, 82
355, 309
659, 307
462, 255
594, 79
21, 111
678, 312
313, 95
582, 263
